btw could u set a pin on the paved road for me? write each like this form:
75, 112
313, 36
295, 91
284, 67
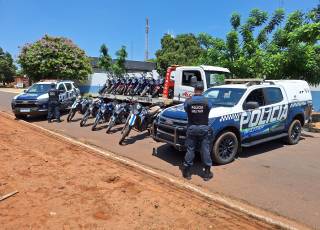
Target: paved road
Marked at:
276, 177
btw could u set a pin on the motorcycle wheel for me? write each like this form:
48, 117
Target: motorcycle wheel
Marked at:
110, 125
84, 119
71, 115
125, 124
125, 133
96, 122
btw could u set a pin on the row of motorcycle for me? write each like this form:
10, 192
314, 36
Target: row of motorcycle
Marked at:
132, 114
133, 86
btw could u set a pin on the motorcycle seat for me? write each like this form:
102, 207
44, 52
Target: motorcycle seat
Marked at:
153, 110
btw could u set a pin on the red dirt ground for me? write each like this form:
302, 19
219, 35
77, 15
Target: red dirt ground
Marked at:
64, 186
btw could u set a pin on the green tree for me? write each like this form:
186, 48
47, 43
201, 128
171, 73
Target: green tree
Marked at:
261, 47
214, 50
54, 57
7, 68
296, 48
235, 21
118, 67
105, 60
181, 50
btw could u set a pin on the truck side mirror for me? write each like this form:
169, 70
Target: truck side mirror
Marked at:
251, 105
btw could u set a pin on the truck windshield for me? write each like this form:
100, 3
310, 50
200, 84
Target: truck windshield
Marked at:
39, 88
215, 78
224, 96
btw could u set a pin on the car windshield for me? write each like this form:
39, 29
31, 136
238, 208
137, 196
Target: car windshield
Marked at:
214, 78
224, 96
39, 88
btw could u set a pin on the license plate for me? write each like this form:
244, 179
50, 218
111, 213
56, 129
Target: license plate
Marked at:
24, 110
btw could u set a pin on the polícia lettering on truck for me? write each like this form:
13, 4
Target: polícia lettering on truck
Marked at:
244, 115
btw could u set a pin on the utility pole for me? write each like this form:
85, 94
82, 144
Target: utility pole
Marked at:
146, 54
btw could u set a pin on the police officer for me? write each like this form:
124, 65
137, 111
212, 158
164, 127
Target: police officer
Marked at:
198, 131
54, 104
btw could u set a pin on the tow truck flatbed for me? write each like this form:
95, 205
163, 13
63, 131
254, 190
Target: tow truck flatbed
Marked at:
141, 99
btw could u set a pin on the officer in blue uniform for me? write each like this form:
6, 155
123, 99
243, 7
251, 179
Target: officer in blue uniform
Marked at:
198, 131
53, 104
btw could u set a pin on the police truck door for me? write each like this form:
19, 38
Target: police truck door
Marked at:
266, 120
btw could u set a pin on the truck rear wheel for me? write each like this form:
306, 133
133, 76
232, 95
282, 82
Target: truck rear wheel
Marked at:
225, 148
294, 132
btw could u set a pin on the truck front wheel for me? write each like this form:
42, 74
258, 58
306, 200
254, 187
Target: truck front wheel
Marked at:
294, 132
225, 148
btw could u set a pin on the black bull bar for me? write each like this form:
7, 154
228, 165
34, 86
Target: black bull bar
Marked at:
173, 135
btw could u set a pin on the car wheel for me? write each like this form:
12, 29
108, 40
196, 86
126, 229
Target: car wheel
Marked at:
225, 148
294, 132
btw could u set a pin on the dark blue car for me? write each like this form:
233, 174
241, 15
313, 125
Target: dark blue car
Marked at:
34, 100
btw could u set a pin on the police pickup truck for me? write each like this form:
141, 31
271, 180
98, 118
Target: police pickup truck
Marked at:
243, 115
34, 100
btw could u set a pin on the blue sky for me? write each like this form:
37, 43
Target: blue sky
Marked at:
116, 23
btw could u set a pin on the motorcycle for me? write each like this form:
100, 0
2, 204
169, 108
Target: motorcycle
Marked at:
157, 89
119, 115
120, 87
127, 85
148, 87
80, 104
104, 113
115, 84
140, 86
131, 87
105, 87
141, 118
92, 110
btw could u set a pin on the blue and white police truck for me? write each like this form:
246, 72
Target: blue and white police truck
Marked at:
243, 115
34, 100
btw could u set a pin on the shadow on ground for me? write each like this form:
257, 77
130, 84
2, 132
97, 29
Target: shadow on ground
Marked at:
134, 136
175, 157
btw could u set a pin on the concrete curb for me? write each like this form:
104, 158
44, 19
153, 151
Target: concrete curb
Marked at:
259, 214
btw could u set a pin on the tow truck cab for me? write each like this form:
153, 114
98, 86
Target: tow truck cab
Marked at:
243, 115
178, 79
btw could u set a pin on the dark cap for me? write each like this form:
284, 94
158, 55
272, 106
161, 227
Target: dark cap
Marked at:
53, 85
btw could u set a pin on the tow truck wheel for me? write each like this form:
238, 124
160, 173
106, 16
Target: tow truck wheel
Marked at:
20, 116
225, 148
294, 132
